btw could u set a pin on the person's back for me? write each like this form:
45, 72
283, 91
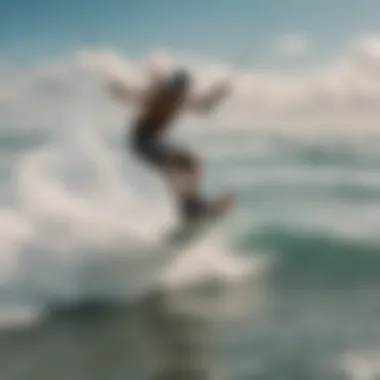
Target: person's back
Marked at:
159, 106
163, 103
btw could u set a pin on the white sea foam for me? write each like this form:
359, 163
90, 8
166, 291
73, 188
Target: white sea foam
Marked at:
361, 365
78, 217
85, 220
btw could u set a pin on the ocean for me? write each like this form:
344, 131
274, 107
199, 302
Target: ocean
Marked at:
286, 287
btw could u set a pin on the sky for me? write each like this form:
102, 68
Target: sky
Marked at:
307, 61
240, 31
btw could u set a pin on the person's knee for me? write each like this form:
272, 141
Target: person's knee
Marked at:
190, 163
192, 207
185, 161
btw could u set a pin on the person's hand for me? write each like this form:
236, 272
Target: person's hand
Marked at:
157, 69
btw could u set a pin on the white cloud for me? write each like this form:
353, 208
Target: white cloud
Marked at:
292, 45
343, 93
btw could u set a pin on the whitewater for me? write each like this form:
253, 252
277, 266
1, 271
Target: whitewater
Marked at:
82, 222
80, 219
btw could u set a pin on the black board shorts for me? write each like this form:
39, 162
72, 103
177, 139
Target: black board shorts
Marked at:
151, 149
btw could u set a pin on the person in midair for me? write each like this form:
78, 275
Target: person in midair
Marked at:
159, 105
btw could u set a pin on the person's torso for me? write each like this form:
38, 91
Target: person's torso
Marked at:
159, 111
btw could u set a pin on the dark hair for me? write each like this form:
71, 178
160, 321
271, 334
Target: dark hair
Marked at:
180, 80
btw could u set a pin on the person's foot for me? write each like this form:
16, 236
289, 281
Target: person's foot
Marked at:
221, 204
205, 209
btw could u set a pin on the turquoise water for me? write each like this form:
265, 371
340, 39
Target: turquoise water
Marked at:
79, 215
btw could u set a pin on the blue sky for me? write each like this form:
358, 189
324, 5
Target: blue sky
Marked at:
39, 29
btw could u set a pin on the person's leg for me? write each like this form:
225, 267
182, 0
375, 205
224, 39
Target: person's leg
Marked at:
183, 172
187, 171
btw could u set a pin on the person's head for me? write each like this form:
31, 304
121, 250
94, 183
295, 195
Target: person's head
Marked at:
179, 81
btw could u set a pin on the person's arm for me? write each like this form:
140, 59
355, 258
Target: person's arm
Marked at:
125, 94
206, 102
